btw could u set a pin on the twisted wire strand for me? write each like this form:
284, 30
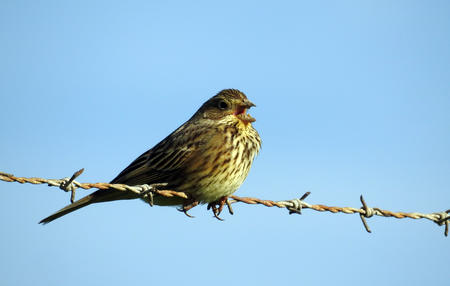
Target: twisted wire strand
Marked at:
294, 205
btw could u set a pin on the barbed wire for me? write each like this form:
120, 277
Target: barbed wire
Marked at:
294, 206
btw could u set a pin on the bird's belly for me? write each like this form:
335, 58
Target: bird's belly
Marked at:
222, 176
215, 187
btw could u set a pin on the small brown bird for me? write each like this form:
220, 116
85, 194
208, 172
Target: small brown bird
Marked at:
208, 158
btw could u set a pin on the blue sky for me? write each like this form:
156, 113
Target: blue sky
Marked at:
352, 98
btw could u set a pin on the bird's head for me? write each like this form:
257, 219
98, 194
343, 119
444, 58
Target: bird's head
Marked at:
228, 102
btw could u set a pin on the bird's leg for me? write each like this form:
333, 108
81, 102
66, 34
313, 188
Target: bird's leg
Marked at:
217, 207
230, 209
190, 203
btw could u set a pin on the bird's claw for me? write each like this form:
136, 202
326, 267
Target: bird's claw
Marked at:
217, 207
186, 207
185, 212
216, 211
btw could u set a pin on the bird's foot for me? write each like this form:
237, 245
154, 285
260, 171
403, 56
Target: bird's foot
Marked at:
218, 205
187, 206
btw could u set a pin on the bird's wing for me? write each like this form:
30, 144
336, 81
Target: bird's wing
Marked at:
154, 166
162, 162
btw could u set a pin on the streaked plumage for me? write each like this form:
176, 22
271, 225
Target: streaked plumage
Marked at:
208, 157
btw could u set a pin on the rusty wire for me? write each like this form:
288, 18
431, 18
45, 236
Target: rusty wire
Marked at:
293, 206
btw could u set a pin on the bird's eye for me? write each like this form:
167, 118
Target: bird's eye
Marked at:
222, 105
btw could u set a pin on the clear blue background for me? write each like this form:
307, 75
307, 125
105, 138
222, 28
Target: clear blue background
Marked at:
353, 97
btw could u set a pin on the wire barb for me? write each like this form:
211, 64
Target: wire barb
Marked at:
147, 192
368, 213
444, 219
297, 204
68, 186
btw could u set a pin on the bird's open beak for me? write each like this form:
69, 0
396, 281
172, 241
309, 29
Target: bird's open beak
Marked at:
241, 112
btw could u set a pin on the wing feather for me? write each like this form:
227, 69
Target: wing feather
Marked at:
163, 161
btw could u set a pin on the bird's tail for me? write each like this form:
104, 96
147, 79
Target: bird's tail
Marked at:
96, 197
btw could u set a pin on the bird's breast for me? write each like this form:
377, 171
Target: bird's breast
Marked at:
222, 164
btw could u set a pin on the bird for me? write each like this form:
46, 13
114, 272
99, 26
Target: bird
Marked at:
207, 158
